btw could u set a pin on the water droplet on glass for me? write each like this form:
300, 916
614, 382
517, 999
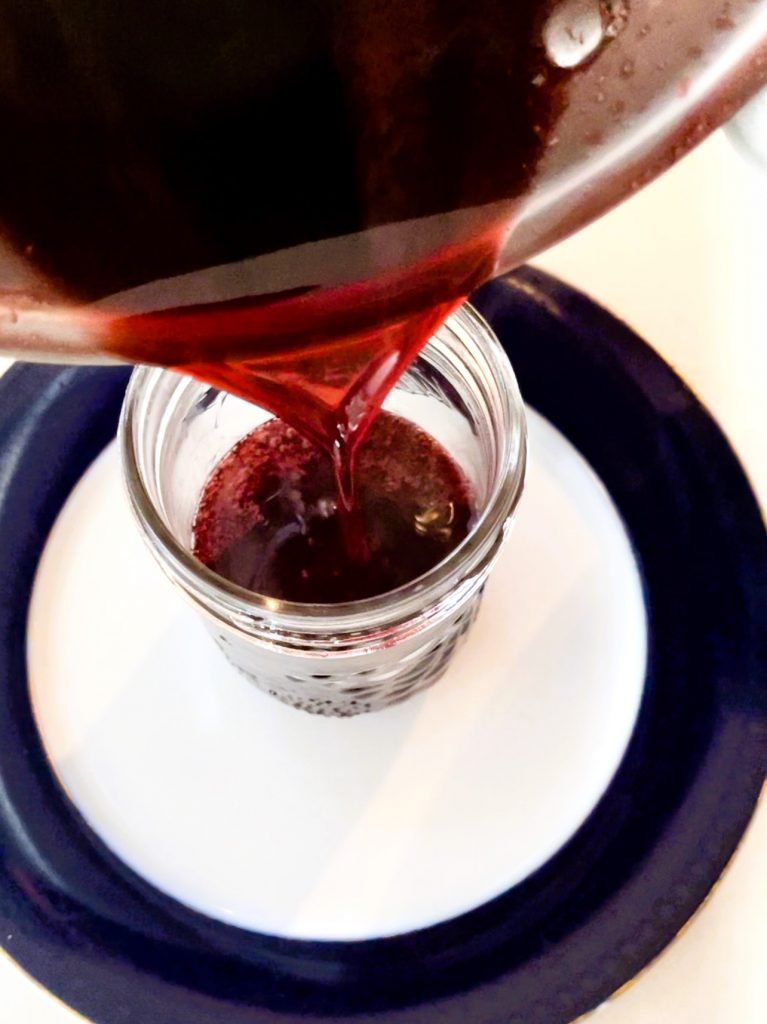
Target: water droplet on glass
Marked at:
573, 32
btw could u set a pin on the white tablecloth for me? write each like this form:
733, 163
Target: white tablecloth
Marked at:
685, 263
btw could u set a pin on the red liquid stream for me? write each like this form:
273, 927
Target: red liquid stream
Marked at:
331, 385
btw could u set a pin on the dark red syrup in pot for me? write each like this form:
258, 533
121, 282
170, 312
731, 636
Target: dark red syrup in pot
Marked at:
282, 200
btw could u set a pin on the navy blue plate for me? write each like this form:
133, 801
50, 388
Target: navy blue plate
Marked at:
559, 943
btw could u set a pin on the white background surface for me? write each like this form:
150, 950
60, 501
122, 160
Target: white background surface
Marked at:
407, 816
685, 263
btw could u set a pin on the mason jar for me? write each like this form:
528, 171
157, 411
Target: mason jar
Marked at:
360, 656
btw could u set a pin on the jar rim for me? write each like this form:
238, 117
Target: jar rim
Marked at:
220, 597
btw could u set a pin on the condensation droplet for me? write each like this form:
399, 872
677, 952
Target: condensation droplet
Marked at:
573, 31
627, 70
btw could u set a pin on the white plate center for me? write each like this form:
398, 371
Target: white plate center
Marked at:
283, 822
